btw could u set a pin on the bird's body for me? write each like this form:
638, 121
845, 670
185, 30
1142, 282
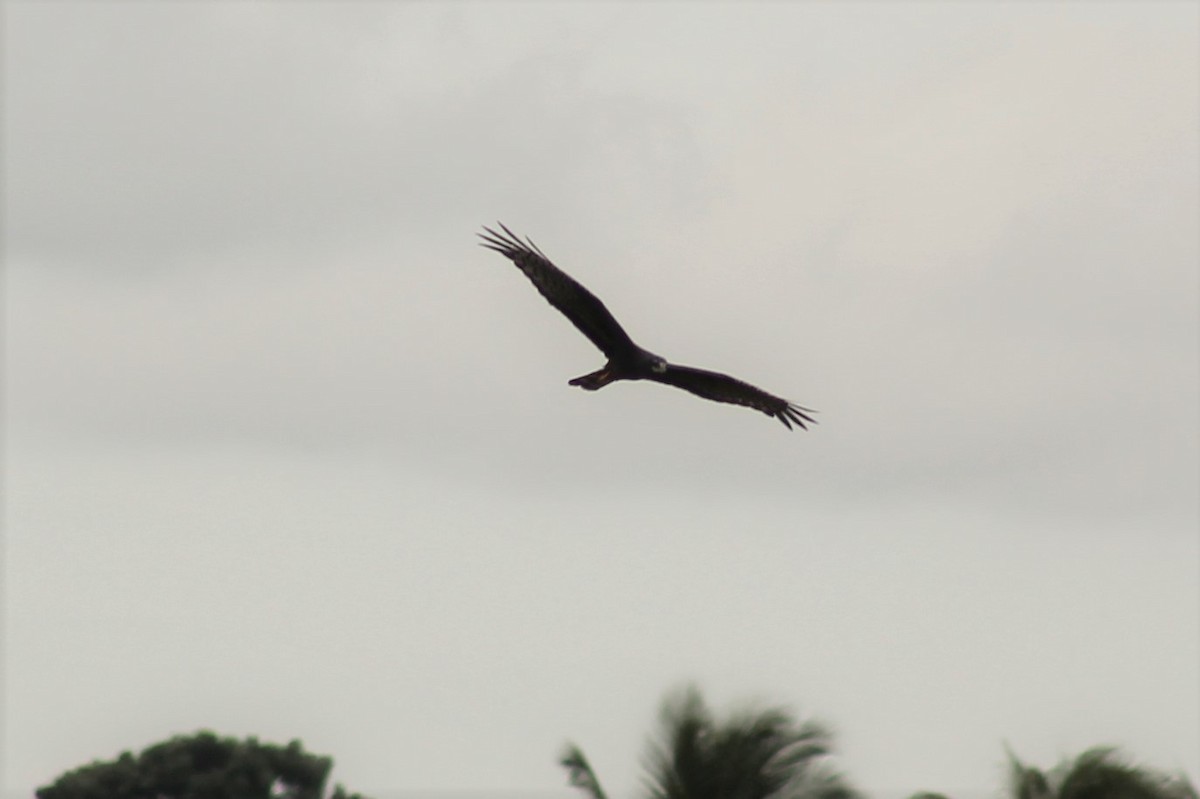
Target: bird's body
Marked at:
637, 364
626, 360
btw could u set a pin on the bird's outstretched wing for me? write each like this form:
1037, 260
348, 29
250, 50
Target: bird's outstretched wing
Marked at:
575, 302
723, 388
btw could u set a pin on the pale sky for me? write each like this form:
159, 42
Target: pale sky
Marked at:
288, 455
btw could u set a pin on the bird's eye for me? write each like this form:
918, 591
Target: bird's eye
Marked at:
660, 365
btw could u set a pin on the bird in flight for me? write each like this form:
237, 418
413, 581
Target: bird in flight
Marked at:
626, 360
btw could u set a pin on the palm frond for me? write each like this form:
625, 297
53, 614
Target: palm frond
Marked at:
754, 754
579, 772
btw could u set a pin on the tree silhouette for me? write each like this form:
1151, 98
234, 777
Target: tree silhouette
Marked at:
1099, 773
201, 766
754, 754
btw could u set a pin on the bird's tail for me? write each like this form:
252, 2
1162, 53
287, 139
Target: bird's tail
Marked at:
595, 380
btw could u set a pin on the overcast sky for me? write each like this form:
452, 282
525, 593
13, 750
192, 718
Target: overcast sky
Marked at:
288, 455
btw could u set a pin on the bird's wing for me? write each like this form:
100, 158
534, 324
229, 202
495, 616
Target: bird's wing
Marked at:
575, 302
723, 388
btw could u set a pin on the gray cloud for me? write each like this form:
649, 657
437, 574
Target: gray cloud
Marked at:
247, 324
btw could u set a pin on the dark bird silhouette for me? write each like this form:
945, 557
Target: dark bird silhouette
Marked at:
626, 360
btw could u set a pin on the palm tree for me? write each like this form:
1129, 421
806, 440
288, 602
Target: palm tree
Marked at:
754, 754
1099, 773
